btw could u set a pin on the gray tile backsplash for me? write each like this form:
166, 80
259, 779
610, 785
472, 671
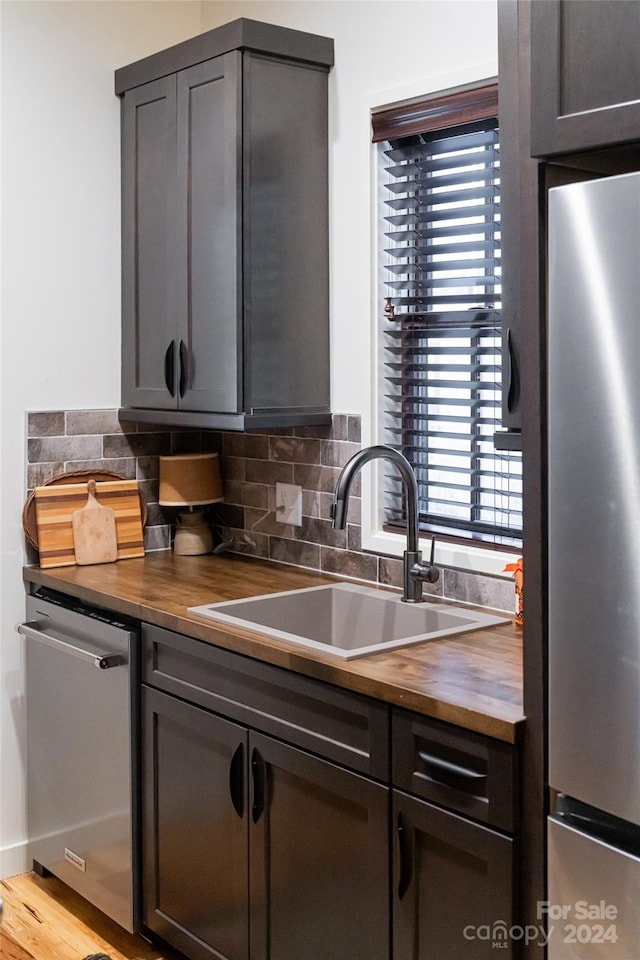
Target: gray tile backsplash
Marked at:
251, 464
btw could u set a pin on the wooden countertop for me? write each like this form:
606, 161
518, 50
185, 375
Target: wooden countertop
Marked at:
473, 680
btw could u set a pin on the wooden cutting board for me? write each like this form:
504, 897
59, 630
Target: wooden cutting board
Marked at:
55, 506
94, 531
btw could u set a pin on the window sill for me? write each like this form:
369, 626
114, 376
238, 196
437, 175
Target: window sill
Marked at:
472, 558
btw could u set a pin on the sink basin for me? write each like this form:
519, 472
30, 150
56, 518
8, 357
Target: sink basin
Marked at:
346, 619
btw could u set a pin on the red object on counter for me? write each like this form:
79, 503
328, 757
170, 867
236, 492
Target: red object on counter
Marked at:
517, 571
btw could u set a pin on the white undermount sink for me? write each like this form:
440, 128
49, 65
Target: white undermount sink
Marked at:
346, 619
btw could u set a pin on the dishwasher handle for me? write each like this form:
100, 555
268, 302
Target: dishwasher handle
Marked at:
31, 630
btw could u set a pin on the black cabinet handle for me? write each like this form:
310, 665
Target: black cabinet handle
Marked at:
184, 368
257, 777
169, 368
512, 375
405, 857
450, 773
236, 780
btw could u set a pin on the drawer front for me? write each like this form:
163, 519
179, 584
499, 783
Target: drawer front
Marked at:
467, 772
341, 726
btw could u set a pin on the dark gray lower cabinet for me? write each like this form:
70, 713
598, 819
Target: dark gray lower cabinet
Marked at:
255, 848
195, 837
285, 819
319, 865
452, 885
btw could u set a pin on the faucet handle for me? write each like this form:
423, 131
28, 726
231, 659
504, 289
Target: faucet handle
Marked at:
426, 570
433, 572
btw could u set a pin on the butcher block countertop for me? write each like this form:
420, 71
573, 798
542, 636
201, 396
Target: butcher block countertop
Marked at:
473, 680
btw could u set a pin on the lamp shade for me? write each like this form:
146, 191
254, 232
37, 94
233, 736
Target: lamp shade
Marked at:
190, 480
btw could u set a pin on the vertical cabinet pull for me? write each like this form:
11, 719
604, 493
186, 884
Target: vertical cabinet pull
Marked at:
257, 779
169, 368
512, 375
405, 857
184, 369
236, 780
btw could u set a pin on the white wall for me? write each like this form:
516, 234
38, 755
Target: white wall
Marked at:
60, 307
59, 321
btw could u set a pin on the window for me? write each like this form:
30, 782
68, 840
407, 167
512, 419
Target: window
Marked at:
439, 176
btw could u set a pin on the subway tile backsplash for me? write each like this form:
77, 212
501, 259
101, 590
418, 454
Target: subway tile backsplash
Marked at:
251, 465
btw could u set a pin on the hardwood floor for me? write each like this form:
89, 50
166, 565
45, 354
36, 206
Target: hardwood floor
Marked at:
44, 920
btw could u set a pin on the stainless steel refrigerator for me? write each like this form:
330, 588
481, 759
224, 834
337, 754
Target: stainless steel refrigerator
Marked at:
593, 901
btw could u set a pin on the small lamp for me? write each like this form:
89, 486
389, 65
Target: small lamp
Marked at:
191, 480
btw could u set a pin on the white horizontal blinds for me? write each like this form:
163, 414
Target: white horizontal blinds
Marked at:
440, 218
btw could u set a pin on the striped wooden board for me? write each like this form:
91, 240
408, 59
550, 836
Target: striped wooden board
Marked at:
55, 506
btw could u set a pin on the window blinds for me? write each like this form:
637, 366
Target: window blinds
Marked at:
440, 218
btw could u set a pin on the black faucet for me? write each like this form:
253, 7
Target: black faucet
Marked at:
415, 569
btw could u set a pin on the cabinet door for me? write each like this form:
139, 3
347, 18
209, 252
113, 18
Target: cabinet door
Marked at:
452, 885
518, 199
149, 253
286, 239
585, 80
195, 834
319, 859
208, 231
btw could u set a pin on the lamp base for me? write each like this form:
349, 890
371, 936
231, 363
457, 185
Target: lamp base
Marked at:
193, 534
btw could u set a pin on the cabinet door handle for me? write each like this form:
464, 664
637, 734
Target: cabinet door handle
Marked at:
512, 375
257, 778
405, 858
184, 368
236, 780
451, 773
169, 368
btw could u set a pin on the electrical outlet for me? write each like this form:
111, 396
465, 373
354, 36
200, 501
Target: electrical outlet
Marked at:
289, 504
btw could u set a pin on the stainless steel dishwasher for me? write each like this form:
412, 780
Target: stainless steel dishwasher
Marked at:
82, 721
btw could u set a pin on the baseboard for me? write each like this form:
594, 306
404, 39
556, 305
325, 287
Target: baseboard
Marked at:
14, 860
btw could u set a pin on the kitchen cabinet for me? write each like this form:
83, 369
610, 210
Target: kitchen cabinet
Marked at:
453, 876
453, 884
225, 317
315, 841
299, 772
585, 78
518, 213
195, 838
252, 846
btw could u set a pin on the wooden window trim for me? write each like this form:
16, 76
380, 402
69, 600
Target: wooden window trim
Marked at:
435, 113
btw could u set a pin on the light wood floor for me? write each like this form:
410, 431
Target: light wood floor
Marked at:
48, 921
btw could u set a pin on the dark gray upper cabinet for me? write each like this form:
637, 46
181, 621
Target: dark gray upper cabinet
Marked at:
585, 78
225, 268
518, 212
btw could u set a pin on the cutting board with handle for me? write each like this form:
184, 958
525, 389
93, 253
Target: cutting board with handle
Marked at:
54, 509
94, 531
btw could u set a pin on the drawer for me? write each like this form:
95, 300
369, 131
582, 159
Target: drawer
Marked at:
464, 771
345, 727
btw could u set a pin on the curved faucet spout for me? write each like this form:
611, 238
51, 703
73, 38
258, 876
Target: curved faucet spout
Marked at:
348, 475
415, 571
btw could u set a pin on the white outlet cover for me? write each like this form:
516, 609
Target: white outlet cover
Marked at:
289, 504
